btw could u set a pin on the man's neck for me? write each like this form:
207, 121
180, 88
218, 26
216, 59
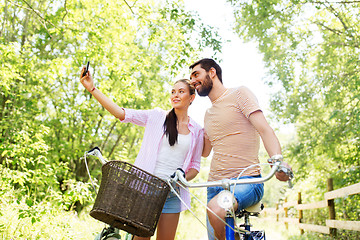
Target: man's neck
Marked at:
217, 90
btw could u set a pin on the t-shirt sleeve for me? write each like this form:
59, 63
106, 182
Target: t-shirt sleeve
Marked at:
247, 101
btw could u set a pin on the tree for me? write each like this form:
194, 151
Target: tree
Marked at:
135, 48
311, 49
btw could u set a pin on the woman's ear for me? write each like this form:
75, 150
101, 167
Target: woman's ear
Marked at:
192, 97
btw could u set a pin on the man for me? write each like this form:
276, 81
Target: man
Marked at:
232, 124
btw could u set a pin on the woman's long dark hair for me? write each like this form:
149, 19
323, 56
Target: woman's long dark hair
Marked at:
170, 124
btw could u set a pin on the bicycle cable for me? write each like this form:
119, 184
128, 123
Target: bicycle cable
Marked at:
242, 172
178, 196
233, 194
238, 177
88, 171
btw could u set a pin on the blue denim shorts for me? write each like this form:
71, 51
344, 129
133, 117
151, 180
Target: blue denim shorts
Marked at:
246, 195
172, 204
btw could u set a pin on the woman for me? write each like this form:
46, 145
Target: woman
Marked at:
171, 140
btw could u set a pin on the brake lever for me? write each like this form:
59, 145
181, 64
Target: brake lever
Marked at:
291, 176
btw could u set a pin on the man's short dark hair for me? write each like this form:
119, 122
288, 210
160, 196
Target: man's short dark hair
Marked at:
207, 64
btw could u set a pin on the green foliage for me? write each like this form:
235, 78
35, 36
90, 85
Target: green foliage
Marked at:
318, 67
312, 52
26, 219
48, 120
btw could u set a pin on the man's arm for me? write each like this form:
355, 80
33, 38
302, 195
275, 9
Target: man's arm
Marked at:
267, 134
191, 174
207, 146
269, 138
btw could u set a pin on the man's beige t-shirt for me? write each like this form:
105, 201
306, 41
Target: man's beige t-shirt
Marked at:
234, 139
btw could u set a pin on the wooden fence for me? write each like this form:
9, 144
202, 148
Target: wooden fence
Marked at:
281, 211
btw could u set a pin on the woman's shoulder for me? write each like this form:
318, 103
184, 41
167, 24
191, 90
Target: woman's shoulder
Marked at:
159, 111
196, 125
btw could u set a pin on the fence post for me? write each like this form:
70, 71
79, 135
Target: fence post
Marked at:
286, 213
300, 213
331, 206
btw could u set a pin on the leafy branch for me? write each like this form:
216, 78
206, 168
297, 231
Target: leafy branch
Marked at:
37, 13
129, 6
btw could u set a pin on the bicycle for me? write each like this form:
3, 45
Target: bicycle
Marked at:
226, 200
244, 231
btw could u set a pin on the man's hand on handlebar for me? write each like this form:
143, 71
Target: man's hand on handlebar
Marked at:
284, 173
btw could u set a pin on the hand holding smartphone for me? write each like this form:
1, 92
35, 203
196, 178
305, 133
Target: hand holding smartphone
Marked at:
87, 69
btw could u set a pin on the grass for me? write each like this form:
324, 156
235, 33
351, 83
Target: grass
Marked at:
47, 221
56, 224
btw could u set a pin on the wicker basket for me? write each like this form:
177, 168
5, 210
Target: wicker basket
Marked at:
130, 198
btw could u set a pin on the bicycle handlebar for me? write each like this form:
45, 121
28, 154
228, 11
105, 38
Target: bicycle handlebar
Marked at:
179, 175
226, 183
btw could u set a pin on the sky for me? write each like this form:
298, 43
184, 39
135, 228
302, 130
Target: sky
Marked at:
241, 62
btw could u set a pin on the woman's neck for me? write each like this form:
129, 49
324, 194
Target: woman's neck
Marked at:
182, 115
182, 121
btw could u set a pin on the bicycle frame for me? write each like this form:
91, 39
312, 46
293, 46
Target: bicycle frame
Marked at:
226, 183
229, 231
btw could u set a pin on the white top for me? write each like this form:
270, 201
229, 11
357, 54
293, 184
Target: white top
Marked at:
171, 157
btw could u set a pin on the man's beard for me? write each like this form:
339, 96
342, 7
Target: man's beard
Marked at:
205, 87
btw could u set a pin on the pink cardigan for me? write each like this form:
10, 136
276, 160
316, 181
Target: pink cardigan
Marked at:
154, 120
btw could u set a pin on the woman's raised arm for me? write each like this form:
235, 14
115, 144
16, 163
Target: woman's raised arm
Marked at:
88, 82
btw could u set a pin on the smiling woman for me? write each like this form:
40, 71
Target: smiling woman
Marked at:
177, 120
172, 140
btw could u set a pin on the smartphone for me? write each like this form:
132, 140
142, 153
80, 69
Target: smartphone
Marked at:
87, 69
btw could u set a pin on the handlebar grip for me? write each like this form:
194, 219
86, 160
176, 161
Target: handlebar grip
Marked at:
97, 153
174, 174
288, 172
91, 152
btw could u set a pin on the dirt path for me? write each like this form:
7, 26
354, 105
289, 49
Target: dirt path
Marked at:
273, 230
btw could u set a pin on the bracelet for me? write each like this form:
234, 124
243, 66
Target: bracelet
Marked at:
275, 158
93, 89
